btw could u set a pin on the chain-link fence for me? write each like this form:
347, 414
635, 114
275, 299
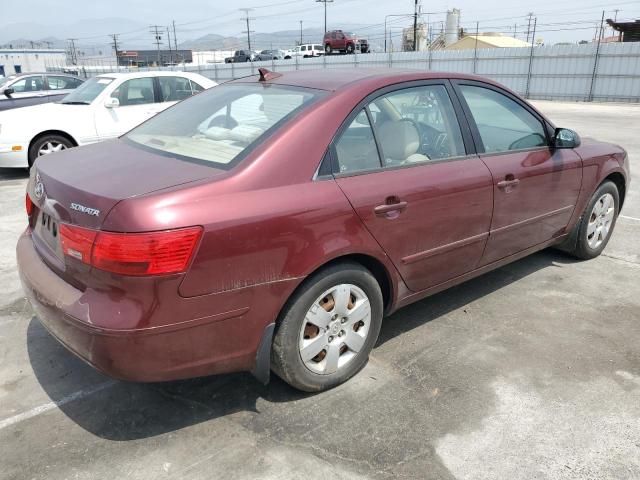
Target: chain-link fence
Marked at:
590, 72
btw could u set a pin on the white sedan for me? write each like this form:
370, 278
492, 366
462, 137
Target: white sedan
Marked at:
103, 107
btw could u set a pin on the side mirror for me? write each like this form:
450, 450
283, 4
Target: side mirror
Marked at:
565, 138
112, 102
8, 92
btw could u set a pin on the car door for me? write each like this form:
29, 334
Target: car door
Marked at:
136, 97
535, 186
408, 168
28, 87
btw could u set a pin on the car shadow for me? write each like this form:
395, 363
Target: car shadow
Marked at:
13, 173
125, 411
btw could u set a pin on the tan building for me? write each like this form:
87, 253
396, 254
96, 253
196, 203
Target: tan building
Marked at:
487, 40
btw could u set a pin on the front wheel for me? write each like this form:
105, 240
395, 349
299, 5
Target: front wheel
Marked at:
328, 328
350, 48
597, 223
46, 145
327, 49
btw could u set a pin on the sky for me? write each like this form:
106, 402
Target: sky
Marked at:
568, 20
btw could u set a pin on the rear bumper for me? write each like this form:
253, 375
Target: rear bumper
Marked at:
210, 344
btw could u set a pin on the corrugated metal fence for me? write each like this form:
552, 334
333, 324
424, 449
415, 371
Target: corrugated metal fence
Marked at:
610, 72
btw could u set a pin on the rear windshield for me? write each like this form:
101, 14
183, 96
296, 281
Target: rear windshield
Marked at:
222, 124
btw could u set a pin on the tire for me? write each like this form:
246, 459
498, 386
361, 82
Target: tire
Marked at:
358, 329
54, 143
248, 60
601, 213
327, 49
350, 48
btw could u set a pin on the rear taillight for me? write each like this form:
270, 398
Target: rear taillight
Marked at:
152, 253
29, 205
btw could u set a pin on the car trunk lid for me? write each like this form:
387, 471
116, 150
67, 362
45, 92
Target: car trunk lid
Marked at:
80, 187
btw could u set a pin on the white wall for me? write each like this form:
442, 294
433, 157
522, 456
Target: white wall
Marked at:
30, 60
562, 72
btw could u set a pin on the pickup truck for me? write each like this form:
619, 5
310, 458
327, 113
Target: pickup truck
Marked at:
240, 56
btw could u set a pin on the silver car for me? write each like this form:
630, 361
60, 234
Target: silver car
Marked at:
271, 55
22, 90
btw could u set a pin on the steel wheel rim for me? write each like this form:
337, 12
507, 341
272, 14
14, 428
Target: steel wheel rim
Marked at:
600, 220
50, 147
335, 329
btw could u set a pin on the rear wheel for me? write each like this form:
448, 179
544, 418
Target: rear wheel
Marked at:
327, 49
328, 328
48, 144
597, 223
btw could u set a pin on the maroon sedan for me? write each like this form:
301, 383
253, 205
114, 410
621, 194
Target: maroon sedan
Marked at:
271, 223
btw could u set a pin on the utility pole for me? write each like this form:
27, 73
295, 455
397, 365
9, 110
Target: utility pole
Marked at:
325, 12
248, 31
114, 36
300, 32
169, 43
530, 15
415, 26
175, 41
157, 40
72, 51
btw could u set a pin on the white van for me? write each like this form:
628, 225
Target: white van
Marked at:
308, 50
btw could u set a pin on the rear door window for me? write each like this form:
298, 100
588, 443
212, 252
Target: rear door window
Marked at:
417, 124
174, 89
62, 83
356, 149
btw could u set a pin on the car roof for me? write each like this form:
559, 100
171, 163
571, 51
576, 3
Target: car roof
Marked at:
146, 73
336, 79
28, 74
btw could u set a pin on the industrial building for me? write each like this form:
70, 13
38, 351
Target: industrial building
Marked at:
153, 58
627, 31
29, 60
486, 40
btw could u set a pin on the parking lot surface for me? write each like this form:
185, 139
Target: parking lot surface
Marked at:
531, 371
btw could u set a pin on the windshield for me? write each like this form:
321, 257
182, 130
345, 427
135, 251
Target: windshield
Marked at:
87, 92
223, 124
6, 80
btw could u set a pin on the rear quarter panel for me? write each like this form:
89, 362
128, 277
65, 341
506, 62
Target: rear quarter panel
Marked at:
258, 236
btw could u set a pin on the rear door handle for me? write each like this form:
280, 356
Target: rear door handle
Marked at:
388, 208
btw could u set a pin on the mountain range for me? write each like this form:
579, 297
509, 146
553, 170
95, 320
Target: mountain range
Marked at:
137, 36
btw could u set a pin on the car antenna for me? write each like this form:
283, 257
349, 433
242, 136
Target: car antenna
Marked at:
266, 75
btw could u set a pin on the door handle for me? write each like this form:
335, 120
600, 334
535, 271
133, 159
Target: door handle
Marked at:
508, 184
389, 208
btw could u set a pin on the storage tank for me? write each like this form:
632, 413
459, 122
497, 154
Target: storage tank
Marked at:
451, 27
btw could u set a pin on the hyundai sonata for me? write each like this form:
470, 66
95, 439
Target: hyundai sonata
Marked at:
272, 222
